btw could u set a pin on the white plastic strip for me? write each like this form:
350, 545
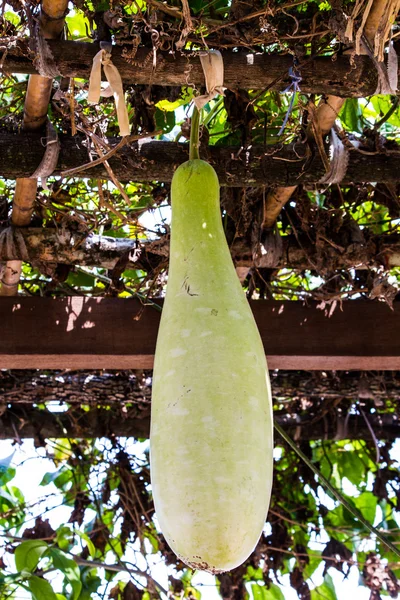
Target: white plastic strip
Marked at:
213, 68
103, 57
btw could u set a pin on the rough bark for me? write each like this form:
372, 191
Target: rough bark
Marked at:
156, 161
320, 75
296, 252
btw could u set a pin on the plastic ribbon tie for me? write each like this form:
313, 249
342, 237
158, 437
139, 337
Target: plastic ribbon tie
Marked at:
49, 161
213, 69
103, 57
339, 156
295, 87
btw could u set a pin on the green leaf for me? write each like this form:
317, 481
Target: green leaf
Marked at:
164, 120
254, 574
64, 537
167, 106
261, 592
366, 504
41, 589
6, 471
350, 115
80, 279
69, 568
63, 478
50, 477
315, 561
350, 466
28, 554
326, 591
382, 105
91, 547
78, 25
12, 17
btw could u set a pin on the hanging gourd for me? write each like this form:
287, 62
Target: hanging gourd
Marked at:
211, 437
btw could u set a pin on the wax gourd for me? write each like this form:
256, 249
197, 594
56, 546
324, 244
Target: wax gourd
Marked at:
211, 435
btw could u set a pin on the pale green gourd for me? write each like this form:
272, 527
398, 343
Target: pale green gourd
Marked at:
211, 425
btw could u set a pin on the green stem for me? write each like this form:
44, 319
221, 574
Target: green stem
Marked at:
391, 110
194, 135
335, 493
218, 106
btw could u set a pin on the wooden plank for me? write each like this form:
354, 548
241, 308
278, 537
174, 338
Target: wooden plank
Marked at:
112, 333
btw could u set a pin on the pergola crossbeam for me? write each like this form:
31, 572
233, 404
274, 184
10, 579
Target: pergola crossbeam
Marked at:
349, 76
114, 333
148, 160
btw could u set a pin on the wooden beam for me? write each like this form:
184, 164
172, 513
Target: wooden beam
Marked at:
349, 76
112, 333
286, 165
48, 245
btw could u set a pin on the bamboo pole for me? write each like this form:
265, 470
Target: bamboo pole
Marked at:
325, 116
52, 20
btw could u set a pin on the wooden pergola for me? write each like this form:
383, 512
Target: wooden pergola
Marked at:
93, 333
302, 136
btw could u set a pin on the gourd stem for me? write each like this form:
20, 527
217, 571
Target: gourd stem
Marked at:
194, 135
335, 493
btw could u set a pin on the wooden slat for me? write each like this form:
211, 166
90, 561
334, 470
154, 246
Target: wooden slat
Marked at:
111, 333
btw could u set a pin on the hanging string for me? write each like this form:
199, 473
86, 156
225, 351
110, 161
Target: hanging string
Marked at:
295, 87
